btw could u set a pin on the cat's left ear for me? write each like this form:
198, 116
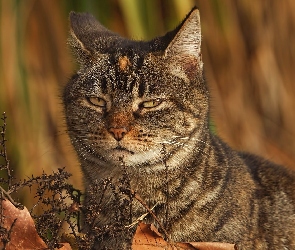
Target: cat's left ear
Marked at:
184, 51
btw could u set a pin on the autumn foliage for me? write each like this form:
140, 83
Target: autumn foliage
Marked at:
19, 232
61, 205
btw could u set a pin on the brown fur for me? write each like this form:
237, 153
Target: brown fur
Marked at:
155, 121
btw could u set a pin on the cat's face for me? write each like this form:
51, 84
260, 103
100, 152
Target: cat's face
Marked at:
134, 104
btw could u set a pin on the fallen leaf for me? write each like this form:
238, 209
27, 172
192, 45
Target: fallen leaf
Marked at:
147, 237
66, 246
23, 234
213, 245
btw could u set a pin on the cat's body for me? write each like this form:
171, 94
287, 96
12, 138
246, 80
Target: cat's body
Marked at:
142, 108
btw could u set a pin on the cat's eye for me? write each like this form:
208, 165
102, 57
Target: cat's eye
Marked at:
97, 101
151, 104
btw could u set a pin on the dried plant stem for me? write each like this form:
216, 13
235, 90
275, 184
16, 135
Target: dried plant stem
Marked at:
6, 167
140, 200
167, 186
126, 179
140, 218
5, 194
3, 152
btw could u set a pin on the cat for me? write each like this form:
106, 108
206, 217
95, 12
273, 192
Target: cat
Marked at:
143, 108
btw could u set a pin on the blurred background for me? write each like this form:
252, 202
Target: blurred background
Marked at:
248, 51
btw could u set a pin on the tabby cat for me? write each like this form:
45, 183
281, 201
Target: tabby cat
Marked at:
143, 107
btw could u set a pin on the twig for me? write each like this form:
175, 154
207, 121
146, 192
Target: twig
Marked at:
126, 182
10, 230
137, 197
140, 218
6, 239
37, 180
8, 197
3, 152
167, 187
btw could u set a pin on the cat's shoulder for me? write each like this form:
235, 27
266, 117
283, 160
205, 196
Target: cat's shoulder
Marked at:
269, 175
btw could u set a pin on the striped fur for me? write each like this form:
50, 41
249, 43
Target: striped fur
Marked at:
155, 92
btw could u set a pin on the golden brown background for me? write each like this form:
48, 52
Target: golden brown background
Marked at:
248, 51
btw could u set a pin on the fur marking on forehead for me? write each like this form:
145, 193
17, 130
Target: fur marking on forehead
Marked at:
124, 63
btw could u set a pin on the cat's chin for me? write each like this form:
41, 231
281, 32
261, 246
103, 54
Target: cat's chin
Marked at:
120, 155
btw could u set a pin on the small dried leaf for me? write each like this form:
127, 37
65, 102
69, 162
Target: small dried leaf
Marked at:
148, 237
213, 245
66, 246
23, 234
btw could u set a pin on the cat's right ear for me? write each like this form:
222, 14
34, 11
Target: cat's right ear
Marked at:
85, 36
80, 25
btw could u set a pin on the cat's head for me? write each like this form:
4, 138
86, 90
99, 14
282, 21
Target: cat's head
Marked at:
135, 100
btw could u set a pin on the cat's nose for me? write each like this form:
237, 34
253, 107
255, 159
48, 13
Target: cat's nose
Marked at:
118, 133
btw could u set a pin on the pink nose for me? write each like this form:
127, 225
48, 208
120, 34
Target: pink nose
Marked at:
118, 133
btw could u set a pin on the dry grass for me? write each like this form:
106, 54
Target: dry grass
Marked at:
249, 57
249, 52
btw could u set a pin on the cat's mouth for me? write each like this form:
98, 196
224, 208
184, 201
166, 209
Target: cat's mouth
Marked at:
122, 149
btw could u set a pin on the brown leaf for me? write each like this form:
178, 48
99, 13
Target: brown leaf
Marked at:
213, 245
148, 237
23, 233
66, 246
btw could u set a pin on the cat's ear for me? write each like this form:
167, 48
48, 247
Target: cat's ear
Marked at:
184, 51
86, 36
